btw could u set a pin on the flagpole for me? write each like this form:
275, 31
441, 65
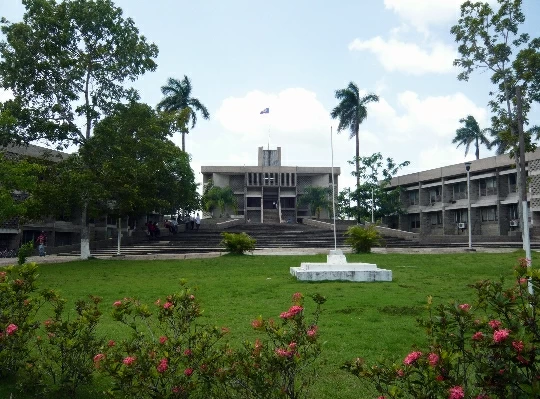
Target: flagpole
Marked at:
333, 188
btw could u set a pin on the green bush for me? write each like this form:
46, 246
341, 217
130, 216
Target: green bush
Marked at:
24, 252
362, 239
238, 243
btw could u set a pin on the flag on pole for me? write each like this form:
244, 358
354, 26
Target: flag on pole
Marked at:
265, 111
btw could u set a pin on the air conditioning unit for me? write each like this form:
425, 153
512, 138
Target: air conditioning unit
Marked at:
514, 223
462, 225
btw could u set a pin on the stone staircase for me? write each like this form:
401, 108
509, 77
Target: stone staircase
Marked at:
271, 216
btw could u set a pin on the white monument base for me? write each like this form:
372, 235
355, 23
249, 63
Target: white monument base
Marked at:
337, 268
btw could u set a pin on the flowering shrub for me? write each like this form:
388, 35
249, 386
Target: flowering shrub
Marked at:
168, 355
18, 306
63, 356
282, 365
489, 350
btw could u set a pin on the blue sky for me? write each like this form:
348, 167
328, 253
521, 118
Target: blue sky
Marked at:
291, 56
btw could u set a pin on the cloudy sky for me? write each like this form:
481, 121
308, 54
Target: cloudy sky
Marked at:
290, 56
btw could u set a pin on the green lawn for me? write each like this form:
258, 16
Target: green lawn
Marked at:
366, 320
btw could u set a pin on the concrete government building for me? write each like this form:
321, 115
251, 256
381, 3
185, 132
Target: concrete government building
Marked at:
435, 201
269, 192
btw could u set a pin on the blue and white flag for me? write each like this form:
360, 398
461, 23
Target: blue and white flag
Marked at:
265, 111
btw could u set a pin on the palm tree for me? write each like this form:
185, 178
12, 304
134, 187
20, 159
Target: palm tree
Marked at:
177, 98
351, 112
470, 133
317, 199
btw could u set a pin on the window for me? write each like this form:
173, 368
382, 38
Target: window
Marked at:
461, 216
415, 221
436, 218
514, 212
414, 197
489, 214
253, 202
488, 186
435, 194
459, 191
512, 183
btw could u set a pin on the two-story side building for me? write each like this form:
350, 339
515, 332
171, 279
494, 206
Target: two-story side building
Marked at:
435, 202
269, 192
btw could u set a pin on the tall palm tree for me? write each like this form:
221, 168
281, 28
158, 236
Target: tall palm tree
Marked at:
469, 133
351, 112
177, 98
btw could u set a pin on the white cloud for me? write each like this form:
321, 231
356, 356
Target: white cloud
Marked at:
409, 58
5, 95
425, 13
292, 112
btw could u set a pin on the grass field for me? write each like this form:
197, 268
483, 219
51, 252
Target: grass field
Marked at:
368, 320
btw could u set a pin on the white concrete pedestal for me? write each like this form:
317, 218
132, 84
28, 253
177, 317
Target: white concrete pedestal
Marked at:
337, 268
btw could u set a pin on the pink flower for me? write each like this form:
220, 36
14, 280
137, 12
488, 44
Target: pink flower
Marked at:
456, 393
111, 343
257, 323
176, 389
163, 365
128, 361
293, 311
297, 297
167, 305
162, 340
292, 345
522, 281
117, 304
97, 359
433, 359
10, 330
439, 378
501, 335
518, 345
412, 357
192, 297
283, 352
478, 336
465, 307
400, 373
381, 397
188, 352
3, 276
188, 372
495, 324
48, 322
312, 332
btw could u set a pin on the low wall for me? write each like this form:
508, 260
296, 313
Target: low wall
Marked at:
407, 235
465, 239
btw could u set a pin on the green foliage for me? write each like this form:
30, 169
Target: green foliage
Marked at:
56, 78
24, 252
351, 112
485, 350
237, 243
18, 307
317, 198
375, 174
283, 364
215, 197
18, 180
362, 239
181, 106
169, 354
470, 133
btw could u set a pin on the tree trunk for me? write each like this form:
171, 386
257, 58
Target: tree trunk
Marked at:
85, 240
357, 159
477, 149
183, 142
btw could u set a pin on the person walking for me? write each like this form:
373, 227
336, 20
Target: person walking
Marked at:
41, 243
192, 221
198, 221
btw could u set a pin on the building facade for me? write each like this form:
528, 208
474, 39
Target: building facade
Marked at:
435, 202
269, 192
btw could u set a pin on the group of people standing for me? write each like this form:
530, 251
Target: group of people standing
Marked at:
191, 222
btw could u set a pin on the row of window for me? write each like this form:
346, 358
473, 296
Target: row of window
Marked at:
486, 187
487, 214
271, 179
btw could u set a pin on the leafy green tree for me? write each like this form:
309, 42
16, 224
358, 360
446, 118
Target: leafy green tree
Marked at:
317, 198
489, 40
64, 61
471, 133
178, 100
215, 197
18, 180
351, 112
375, 175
